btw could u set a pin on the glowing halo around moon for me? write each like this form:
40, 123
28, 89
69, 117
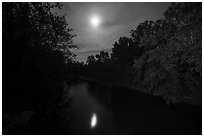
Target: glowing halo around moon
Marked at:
95, 21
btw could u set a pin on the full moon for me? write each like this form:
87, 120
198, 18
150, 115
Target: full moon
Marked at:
95, 21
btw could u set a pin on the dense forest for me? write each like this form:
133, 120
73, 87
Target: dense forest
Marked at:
162, 57
36, 58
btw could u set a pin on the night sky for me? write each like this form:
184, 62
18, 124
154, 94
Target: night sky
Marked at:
112, 21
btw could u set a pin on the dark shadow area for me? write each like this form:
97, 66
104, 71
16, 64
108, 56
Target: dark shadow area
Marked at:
36, 65
140, 113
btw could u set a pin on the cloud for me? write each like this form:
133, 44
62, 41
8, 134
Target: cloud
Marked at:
118, 19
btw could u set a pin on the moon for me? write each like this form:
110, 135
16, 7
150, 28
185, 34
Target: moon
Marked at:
95, 21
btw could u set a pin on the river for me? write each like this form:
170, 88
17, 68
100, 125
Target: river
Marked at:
99, 109
93, 108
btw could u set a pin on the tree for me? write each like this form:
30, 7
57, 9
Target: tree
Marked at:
172, 61
102, 57
34, 25
90, 60
36, 45
125, 50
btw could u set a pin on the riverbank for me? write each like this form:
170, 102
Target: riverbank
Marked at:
126, 106
136, 111
184, 100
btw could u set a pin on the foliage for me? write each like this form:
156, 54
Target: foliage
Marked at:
35, 25
101, 58
173, 66
125, 50
36, 45
163, 56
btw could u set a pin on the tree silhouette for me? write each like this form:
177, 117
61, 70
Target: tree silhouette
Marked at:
91, 59
125, 50
163, 56
167, 69
36, 45
102, 57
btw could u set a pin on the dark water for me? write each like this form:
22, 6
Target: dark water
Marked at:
101, 110
97, 109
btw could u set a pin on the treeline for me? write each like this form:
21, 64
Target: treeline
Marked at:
36, 55
164, 56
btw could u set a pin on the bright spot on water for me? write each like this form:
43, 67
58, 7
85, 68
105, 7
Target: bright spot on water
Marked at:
93, 120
